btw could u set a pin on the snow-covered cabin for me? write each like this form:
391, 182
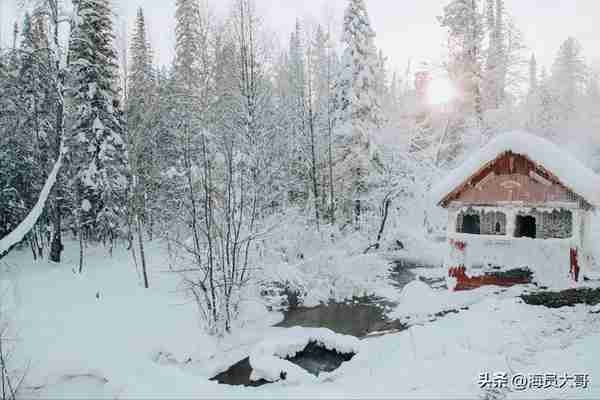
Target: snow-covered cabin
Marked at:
520, 202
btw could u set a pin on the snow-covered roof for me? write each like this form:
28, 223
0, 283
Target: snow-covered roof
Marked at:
570, 171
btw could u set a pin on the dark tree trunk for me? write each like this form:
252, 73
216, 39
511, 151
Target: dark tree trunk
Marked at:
56, 247
386, 211
80, 251
142, 252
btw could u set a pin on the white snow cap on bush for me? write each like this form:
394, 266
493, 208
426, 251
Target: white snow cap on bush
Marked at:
268, 357
568, 169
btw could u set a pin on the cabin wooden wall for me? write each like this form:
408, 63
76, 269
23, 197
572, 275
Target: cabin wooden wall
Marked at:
513, 178
515, 187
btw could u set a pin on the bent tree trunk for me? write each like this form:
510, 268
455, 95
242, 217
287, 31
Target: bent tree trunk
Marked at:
19, 233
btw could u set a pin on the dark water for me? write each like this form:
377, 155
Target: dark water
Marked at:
238, 375
316, 359
360, 316
357, 317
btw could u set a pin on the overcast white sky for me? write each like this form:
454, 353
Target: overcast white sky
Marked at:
405, 28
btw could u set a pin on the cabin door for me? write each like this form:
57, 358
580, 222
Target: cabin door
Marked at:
526, 227
471, 224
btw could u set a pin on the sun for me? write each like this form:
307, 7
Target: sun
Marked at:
440, 91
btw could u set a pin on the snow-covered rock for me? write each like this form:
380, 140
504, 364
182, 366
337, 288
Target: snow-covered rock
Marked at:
268, 358
417, 297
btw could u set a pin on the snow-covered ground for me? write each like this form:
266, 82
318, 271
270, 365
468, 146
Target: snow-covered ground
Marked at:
101, 335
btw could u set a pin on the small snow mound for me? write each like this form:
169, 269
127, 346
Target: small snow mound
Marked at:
290, 341
418, 298
86, 206
273, 369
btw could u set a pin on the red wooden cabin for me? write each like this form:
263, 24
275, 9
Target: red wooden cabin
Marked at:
520, 203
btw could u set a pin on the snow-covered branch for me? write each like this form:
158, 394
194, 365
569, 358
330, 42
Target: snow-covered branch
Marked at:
29, 222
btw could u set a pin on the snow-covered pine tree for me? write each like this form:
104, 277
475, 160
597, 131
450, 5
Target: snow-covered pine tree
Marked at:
141, 73
358, 108
465, 25
34, 81
357, 88
166, 133
501, 54
321, 59
515, 65
569, 76
533, 97
52, 16
189, 92
314, 133
383, 87
141, 129
38, 108
191, 64
395, 87
189, 89
296, 112
493, 83
323, 62
24, 120
297, 73
191, 83
16, 163
490, 21
98, 156
26, 74
546, 106
141, 118
533, 75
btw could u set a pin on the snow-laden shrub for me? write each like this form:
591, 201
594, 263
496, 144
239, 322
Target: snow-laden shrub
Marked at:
317, 265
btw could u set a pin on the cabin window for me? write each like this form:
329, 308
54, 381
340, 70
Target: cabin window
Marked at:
481, 222
557, 224
498, 228
526, 227
493, 223
469, 223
